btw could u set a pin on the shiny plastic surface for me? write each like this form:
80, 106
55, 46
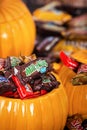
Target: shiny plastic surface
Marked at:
48, 112
77, 95
17, 29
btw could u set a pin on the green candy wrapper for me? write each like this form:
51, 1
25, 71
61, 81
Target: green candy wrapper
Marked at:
80, 79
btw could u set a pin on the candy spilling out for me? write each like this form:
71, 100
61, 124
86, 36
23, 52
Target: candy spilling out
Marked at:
76, 122
26, 77
81, 76
79, 68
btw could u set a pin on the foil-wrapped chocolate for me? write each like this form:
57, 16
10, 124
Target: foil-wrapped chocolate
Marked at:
11, 62
80, 21
30, 70
75, 122
75, 33
34, 69
82, 69
79, 79
46, 82
81, 76
26, 59
84, 124
47, 44
49, 28
49, 82
37, 84
49, 13
6, 85
27, 77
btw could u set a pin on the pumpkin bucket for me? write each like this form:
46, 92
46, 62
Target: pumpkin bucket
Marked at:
77, 95
47, 112
17, 29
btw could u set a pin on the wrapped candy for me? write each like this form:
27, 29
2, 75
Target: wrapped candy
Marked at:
81, 69
79, 21
7, 87
69, 62
74, 122
79, 79
29, 78
2, 64
24, 91
46, 45
11, 62
26, 59
49, 13
76, 28
84, 124
75, 33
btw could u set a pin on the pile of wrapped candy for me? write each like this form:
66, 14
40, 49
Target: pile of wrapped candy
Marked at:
79, 68
26, 77
58, 30
76, 122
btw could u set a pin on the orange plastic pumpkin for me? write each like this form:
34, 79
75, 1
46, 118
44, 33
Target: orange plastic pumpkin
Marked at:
17, 29
77, 95
48, 112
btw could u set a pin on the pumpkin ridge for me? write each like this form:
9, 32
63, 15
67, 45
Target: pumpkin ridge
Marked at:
5, 46
76, 100
20, 5
23, 39
84, 92
0, 44
22, 35
40, 113
70, 99
24, 114
17, 7
77, 95
80, 99
11, 115
15, 110
63, 109
81, 104
3, 15
41, 101
20, 116
53, 127
13, 47
13, 19
31, 31
10, 12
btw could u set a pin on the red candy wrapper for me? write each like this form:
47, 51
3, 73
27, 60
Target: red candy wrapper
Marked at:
43, 92
23, 92
67, 61
26, 77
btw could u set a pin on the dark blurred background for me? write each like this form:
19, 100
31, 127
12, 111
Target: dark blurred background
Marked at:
73, 6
